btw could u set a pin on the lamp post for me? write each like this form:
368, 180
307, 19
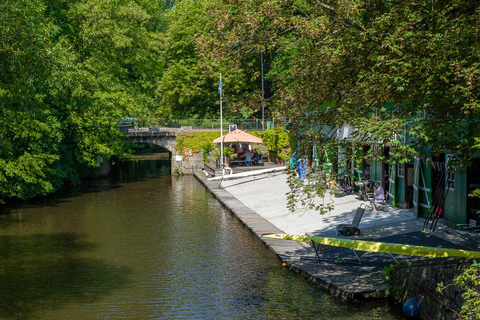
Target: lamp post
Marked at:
263, 93
220, 91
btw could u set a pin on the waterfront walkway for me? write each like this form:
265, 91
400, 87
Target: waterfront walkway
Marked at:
259, 202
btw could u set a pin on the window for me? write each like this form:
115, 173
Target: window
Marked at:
375, 151
401, 170
451, 180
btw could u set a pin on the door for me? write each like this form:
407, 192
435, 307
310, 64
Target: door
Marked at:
391, 178
417, 171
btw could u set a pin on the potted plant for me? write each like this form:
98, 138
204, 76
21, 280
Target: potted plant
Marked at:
227, 153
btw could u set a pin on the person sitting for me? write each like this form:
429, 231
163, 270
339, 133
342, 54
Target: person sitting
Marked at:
255, 157
379, 196
248, 158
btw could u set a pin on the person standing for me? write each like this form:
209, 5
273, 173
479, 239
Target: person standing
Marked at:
302, 170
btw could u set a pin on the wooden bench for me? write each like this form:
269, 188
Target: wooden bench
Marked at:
234, 163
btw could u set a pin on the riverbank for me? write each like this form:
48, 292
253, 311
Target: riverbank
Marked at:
260, 204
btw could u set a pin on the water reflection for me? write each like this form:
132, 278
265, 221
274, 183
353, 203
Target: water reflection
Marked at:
42, 272
148, 248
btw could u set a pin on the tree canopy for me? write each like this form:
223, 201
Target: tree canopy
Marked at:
385, 67
390, 69
70, 71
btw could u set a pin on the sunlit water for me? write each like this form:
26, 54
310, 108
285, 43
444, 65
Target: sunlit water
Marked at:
147, 245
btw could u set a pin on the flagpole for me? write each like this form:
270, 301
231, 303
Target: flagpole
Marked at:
220, 89
263, 93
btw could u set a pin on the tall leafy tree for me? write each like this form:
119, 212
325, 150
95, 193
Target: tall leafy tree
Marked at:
373, 64
30, 132
189, 85
70, 71
114, 73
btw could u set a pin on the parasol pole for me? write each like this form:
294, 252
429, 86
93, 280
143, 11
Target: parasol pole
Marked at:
220, 91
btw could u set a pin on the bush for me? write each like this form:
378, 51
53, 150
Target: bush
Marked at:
277, 142
197, 141
469, 281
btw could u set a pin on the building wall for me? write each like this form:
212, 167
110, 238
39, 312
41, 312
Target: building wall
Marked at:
455, 206
456, 201
423, 278
426, 197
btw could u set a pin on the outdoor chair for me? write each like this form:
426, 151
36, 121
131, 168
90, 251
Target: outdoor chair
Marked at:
383, 206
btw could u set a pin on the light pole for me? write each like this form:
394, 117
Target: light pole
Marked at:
263, 93
220, 91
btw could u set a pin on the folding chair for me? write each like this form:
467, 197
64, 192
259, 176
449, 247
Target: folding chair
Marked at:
383, 206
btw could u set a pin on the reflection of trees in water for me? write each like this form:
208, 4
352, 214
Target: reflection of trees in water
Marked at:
128, 171
42, 271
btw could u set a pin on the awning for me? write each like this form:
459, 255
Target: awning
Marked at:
238, 136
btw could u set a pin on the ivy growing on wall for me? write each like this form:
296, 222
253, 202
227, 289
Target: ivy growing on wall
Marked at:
197, 141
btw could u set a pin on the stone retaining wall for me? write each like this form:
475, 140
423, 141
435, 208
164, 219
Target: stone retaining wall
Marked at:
187, 165
434, 304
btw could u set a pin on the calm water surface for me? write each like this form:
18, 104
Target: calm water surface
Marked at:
147, 245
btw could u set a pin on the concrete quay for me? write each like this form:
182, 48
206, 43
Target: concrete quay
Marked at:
259, 202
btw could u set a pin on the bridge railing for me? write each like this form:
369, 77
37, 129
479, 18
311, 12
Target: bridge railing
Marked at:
212, 124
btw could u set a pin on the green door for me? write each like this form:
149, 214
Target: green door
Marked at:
391, 178
417, 171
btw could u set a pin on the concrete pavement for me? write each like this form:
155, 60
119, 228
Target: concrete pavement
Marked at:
267, 197
259, 202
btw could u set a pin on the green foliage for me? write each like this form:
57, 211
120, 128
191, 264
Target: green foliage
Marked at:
476, 194
227, 153
196, 141
388, 272
469, 282
70, 71
309, 191
189, 84
376, 67
403, 74
277, 142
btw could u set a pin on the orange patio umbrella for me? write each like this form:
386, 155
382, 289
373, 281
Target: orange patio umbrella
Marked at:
238, 136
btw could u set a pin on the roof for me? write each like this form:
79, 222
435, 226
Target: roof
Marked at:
238, 136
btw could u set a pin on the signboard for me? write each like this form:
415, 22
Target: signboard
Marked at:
188, 153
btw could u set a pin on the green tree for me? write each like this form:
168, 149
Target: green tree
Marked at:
189, 86
70, 71
114, 74
342, 62
30, 133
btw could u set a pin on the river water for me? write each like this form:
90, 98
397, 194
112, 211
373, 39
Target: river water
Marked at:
143, 244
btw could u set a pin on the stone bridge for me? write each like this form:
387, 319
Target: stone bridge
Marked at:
166, 139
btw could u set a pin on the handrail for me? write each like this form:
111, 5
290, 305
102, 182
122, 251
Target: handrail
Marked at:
242, 124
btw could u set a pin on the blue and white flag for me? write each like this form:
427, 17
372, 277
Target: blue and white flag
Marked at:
220, 86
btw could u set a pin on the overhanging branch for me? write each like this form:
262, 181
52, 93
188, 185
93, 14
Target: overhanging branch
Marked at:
361, 27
